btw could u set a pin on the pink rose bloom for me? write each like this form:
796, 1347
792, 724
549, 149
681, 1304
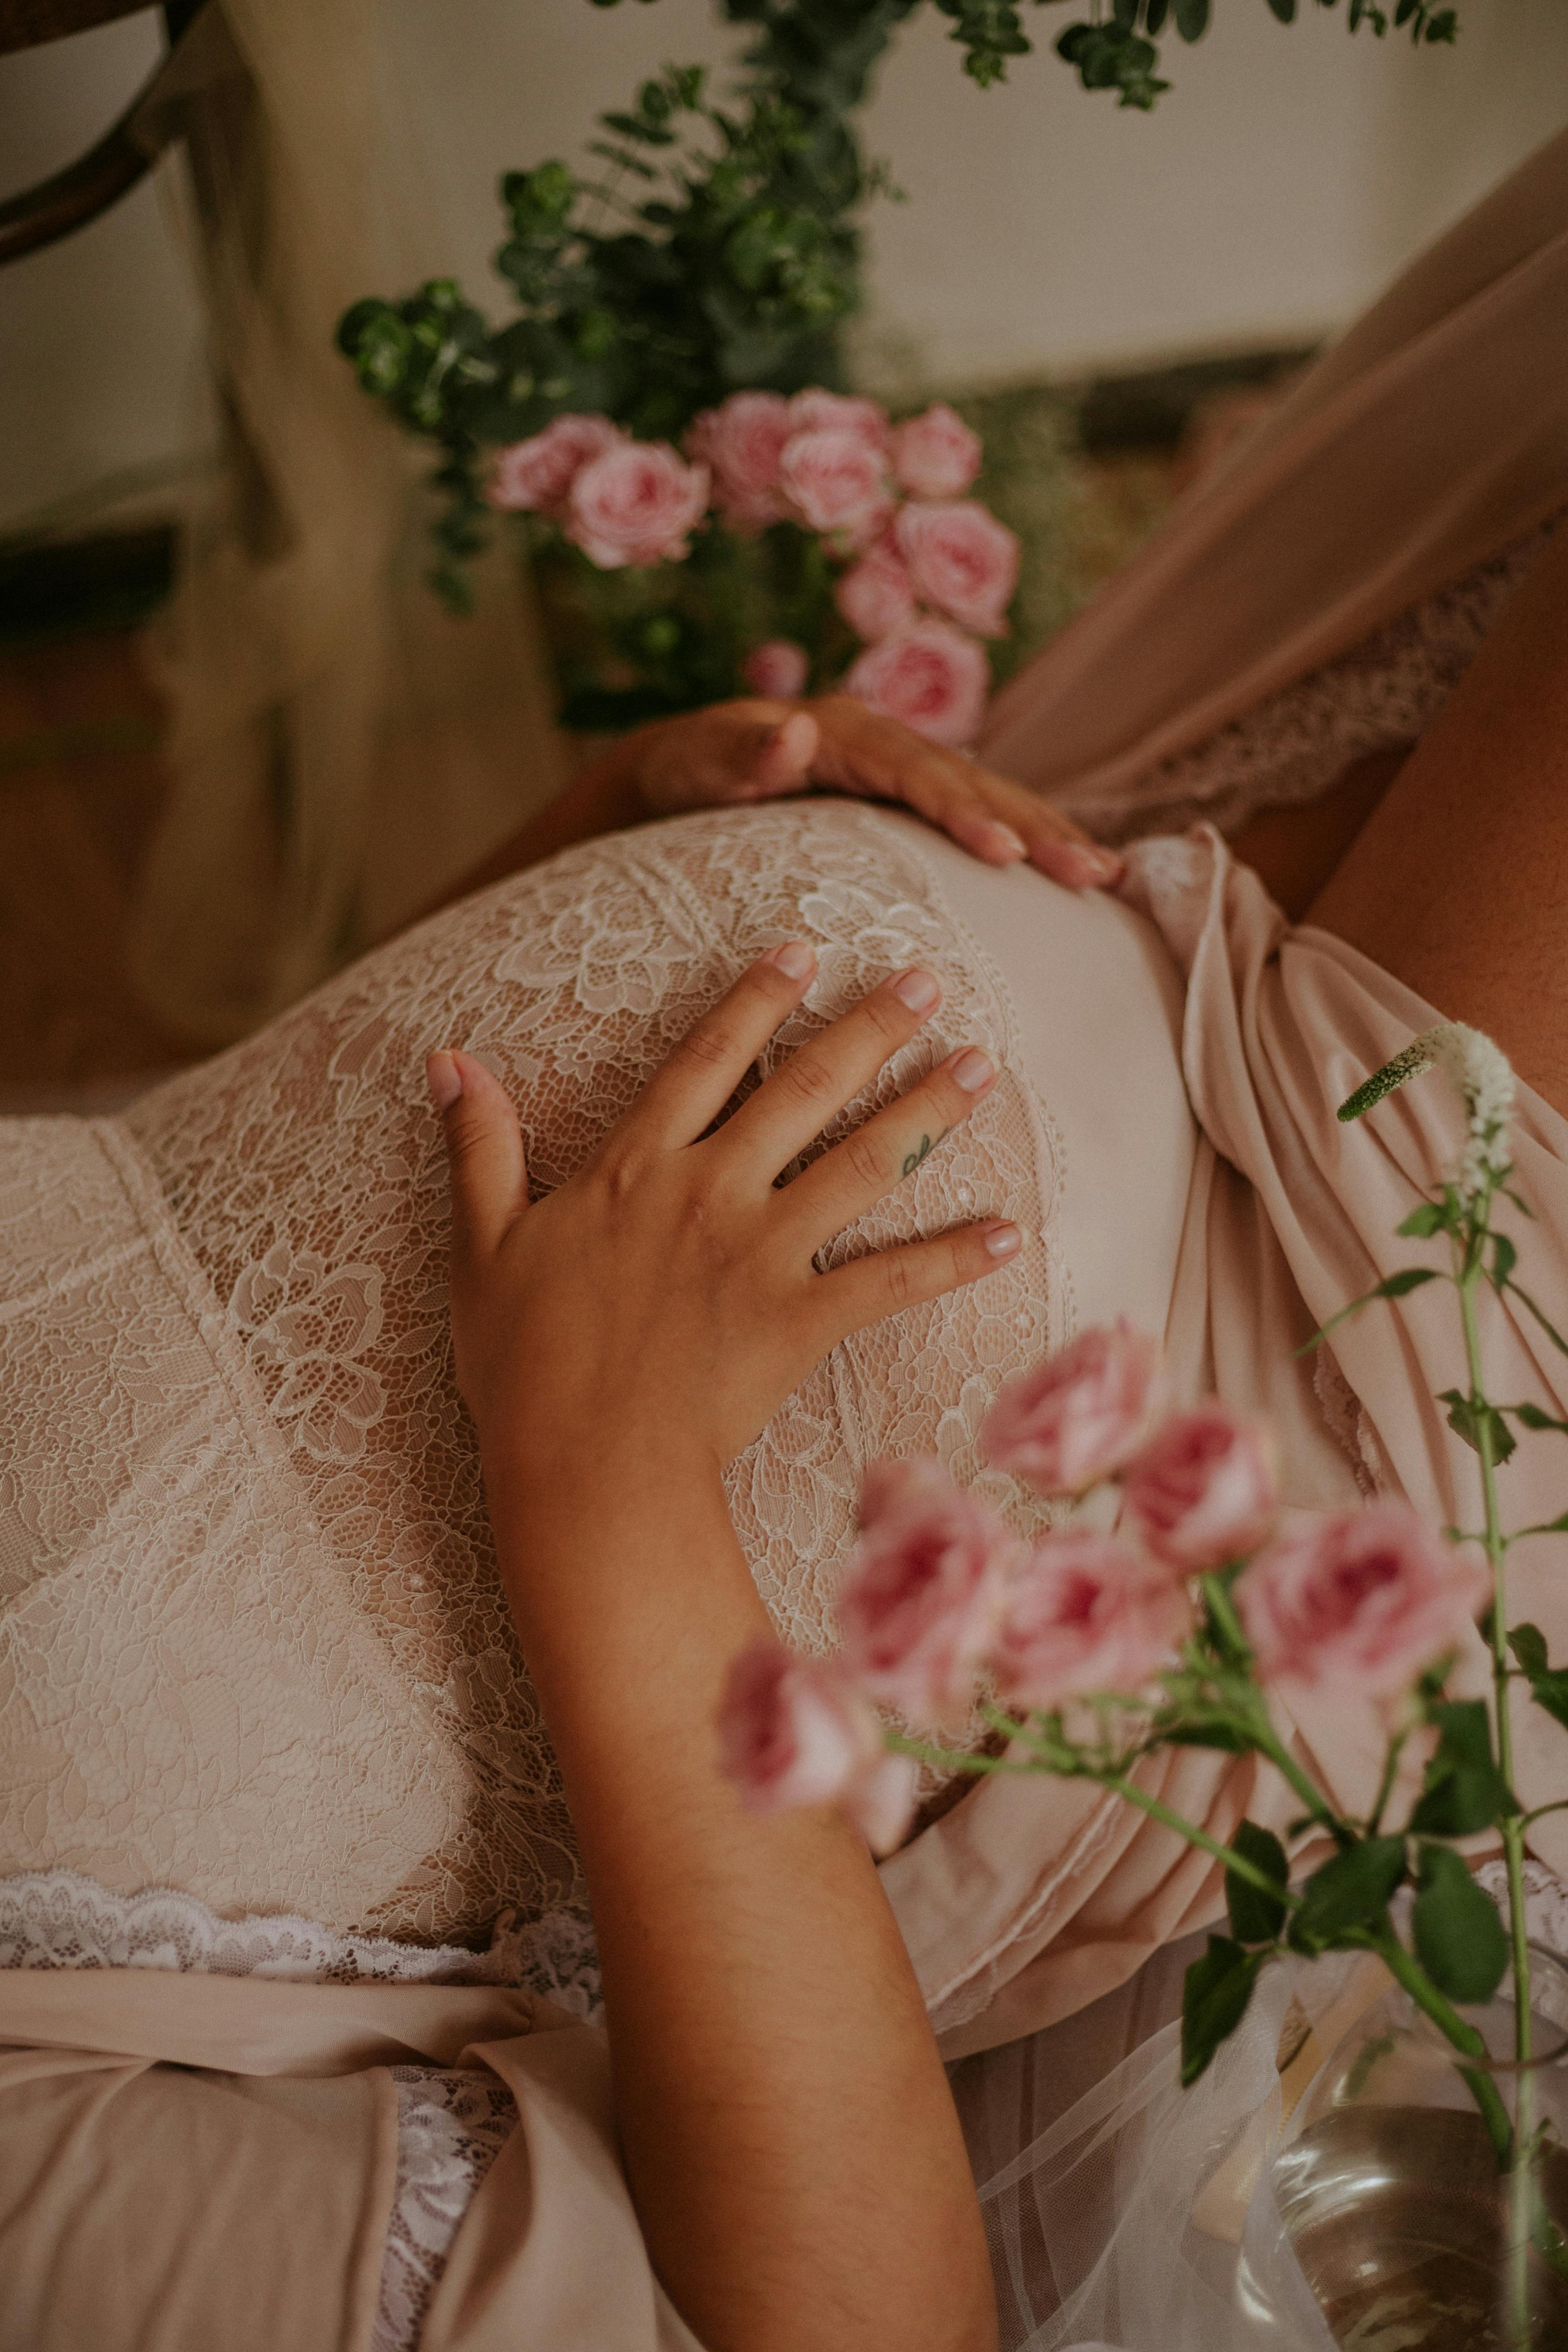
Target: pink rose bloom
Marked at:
792, 1733
778, 667
875, 596
535, 476
635, 504
834, 480
1075, 1417
1087, 1613
935, 456
931, 676
917, 1602
837, 412
1203, 1491
741, 442
961, 560
1357, 1601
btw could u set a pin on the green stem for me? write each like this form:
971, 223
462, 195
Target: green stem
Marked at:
1236, 1864
1386, 1786
1522, 2159
1403, 1966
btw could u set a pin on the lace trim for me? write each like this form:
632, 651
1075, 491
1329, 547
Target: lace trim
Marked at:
451, 2129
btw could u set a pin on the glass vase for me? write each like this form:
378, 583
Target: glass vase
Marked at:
1412, 2233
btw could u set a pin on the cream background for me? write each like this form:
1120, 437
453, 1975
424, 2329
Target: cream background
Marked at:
1286, 177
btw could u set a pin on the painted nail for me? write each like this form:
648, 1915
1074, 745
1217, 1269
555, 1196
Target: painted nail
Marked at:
1002, 1241
1004, 839
795, 960
444, 1079
972, 1069
918, 989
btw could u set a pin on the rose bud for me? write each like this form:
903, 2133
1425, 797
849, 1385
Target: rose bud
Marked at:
1203, 1490
1078, 1416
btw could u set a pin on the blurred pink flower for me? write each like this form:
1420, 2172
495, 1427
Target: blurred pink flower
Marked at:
1357, 1601
1075, 1417
1086, 1613
1203, 1490
935, 455
834, 480
741, 442
778, 667
535, 476
792, 1732
931, 676
875, 596
635, 504
961, 560
920, 1591
837, 412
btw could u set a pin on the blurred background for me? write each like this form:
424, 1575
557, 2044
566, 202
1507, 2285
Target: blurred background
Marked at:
1114, 293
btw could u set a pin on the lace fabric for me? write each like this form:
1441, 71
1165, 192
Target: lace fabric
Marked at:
296, 1684
1385, 692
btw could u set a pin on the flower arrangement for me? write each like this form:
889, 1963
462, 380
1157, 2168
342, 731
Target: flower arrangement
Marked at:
1181, 1627
814, 510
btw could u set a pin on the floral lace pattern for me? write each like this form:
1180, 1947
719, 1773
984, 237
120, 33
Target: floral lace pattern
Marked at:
451, 2129
1386, 691
295, 1682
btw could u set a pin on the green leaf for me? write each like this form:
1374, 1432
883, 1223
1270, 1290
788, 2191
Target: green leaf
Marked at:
1192, 18
1221, 1733
1285, 10
1431, 1217
1546, 1528
1257, 1918
1533, 1418
1505, 1257
1394, 1286
1463, 1790
1348, 1895
1468, 1420
1528, 1644
1215, 1994
1548, 1684
1460, 1939
1525, 1299
1154, 15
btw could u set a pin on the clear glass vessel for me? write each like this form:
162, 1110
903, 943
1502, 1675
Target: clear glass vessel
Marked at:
1412, 2236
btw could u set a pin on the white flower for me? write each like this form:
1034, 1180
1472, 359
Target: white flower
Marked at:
1481, 1075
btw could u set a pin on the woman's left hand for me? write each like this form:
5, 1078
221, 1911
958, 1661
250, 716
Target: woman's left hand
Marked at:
756, 750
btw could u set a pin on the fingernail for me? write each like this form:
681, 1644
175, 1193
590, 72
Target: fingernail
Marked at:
1098, 864
1001, 1241
795, 960
918, 989
444, 1079
1003, 837
972, 1069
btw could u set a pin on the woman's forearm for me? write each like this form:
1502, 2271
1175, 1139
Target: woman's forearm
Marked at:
778, 2092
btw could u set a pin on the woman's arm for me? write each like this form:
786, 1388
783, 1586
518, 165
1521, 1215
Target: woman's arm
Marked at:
734, 753
787, 2130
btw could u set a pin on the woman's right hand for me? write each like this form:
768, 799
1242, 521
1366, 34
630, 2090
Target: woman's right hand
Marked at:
664, 1301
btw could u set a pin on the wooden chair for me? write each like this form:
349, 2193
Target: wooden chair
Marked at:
68, 200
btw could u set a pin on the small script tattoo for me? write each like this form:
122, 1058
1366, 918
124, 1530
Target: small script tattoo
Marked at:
927, 1144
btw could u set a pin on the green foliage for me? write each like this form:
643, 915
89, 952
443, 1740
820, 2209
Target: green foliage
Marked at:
1469, 1419
1257, 1918
1548, 1684
1460, 1939
1215, 1991
1345, 1904
1463, 1792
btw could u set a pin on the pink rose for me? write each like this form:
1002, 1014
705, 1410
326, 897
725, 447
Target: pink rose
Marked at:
916, 1605
936, 456
1075, 1417
1203, 1491
536, 474
961, 560
792, 1733
778, 667
741, 442
635, 504
1357, 1601
875, 596
1087, 1613
931, 676
834, 480
837, 412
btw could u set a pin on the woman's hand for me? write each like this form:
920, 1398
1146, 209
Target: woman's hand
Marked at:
751, 751
664, 1301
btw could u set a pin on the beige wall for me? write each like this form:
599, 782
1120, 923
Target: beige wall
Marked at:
1284, 179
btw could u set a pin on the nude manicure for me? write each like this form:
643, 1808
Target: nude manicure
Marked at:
973, 1070
1002, 1241
795, 960
916, 990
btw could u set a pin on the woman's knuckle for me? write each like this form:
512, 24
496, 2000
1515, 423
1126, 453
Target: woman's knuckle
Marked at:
866, 1159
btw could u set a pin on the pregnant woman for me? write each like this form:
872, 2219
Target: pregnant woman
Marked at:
266, 1650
